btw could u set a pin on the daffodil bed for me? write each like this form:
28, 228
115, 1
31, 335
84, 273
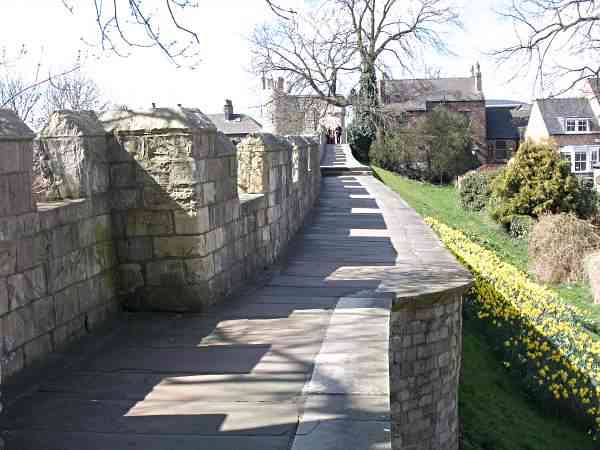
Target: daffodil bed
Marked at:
542, 338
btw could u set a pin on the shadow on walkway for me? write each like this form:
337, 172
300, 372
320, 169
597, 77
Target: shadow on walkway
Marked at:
299, 362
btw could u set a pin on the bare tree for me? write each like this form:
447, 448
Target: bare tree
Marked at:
126, 24
314, 50
309, 51
75, 91
559, 38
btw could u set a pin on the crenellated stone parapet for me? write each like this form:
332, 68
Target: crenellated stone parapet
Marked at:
142, 210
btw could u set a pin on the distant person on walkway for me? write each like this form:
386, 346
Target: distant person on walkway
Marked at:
338, 134
330, 136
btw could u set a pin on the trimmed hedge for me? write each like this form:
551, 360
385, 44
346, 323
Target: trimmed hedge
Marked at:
542, 339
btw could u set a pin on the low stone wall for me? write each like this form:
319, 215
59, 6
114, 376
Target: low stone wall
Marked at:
57, 261
149, 213
425, 358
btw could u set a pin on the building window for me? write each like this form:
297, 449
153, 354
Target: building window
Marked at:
580, 161
594, 159
577, 125
501, 150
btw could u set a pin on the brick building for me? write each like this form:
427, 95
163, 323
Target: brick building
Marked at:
413, 98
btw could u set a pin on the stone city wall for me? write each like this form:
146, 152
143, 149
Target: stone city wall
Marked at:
147, 213
425, 358
57, 260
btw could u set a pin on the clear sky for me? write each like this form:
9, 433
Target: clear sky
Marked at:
146, 76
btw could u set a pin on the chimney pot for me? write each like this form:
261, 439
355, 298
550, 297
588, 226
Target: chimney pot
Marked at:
228, 109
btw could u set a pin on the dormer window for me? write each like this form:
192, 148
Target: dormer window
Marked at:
578, 125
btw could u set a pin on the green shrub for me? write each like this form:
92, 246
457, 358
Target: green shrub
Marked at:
557, 245
475, 189
360, 138
537, 181
436, 148
586, 200
397, 152
520, 226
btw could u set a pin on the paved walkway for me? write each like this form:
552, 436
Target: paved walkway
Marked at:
338, 160
301, 362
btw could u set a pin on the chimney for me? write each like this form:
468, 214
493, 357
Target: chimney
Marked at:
228, 110
478, 78
280, 83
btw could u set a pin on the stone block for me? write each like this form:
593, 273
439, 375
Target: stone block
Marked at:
10, 158
130, 278
149, 223
135, 249
8, 257
99, 258
195, 223
126, 199
166, 272
20, 199
63, 240
66, 304
180, 246
123, 175
43, 315
68, 269
18, 327
26, 286
199, 270
4, 300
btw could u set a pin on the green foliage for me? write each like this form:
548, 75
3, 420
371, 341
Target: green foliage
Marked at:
448, 144
360, 137
520, 226
398, 152
586, 200
537, 181
475, 189
442, 202
495, 413
436, 148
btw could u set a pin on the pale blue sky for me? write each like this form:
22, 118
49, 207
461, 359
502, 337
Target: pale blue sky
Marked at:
147, 76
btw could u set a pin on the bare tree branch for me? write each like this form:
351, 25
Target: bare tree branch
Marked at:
553, 37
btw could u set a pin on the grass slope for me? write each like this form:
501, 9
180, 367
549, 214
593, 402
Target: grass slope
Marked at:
442, 203
497, 415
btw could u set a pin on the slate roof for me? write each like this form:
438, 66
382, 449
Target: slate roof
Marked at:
500, 125
414, 94
556, 110
239, 124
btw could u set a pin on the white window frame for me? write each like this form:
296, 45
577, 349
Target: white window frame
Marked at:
576, 122
592, 156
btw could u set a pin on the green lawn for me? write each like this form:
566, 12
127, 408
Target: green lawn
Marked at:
497, 415
442, 203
